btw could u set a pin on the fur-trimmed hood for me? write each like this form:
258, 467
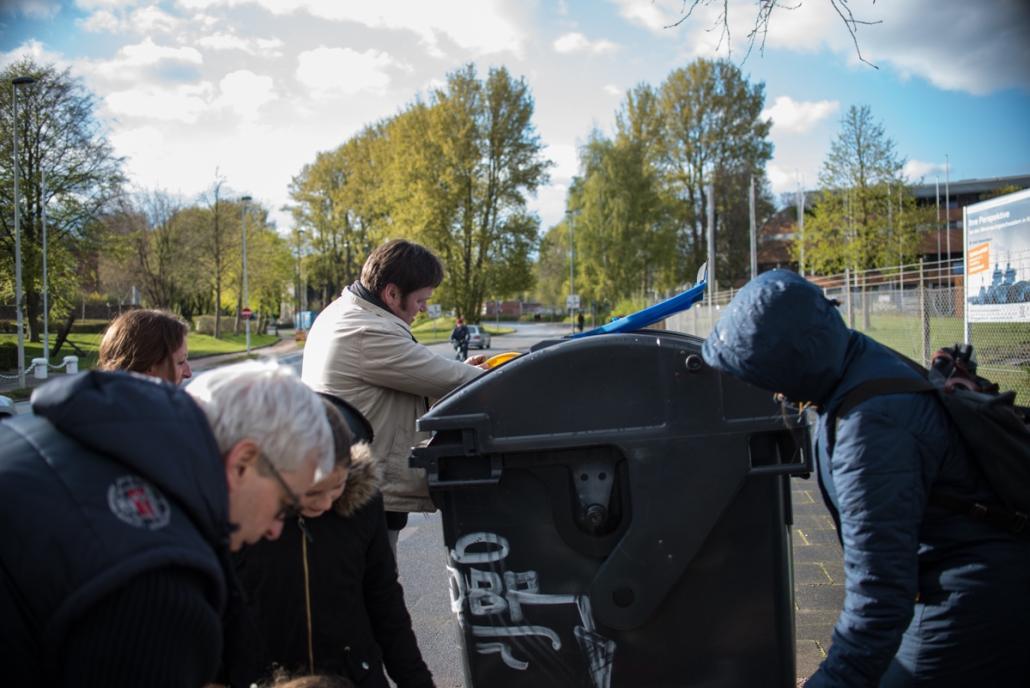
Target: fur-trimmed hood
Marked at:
363, 480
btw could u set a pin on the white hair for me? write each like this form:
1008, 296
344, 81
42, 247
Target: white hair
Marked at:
266, 402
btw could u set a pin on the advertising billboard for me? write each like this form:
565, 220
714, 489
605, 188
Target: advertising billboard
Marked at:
997, 236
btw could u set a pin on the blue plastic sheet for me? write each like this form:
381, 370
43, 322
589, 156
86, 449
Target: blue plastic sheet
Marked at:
651, 314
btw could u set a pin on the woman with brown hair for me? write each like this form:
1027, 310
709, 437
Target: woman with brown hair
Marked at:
147, 341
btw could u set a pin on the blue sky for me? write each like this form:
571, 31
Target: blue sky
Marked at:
254, 88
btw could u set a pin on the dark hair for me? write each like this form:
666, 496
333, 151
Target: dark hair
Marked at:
142, 339
359, 427
342, 439
407, 265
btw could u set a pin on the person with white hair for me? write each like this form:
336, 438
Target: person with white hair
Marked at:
121, 498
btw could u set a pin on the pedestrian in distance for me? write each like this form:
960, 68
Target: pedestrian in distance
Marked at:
580, 320
460, 339
932, 597
121, 498
147, 341
360, 348
325, 597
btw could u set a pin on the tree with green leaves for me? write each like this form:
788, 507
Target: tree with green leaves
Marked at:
714, 134
463, 164
216, 226
622, 228
551, 270
153, 241
865, 215
339, 205
640, 205
67, 169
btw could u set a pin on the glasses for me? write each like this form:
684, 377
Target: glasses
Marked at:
292, 506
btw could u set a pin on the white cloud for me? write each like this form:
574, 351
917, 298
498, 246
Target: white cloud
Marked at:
144, 20
780, 180
245, 92
222, 41
974, 47
96, 4
566, 162
205, 20
578, 43
268, 47
34, 50
131, 61
960, 48
148, 53
34, 9
100, 21
798, 116
152, 18
612, 90
653, 16
342, 71
549, 204
138, 144
184, 103
916, 170
483, 27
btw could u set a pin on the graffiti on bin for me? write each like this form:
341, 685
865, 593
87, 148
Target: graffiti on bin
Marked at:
488, 593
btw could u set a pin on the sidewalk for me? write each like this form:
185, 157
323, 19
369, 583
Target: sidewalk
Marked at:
818, 575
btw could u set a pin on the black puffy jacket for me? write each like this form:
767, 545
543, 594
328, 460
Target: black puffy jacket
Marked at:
357, 615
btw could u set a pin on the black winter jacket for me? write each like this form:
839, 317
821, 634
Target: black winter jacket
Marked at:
358, 618
114, 554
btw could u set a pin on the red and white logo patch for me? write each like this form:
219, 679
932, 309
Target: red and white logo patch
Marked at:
138, 503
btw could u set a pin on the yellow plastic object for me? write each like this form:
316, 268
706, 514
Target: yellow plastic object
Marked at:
498, 359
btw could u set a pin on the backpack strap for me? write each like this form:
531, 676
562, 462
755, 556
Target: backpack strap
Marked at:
879, 386
869, 389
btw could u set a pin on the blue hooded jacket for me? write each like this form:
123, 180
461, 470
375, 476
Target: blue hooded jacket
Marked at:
931, 597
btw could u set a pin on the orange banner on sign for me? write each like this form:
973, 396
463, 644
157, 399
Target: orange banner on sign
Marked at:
979, 258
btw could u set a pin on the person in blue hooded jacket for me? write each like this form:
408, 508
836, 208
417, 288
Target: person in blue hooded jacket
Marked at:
932, 597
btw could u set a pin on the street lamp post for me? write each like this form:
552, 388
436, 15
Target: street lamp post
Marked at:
46, 283
572, 271
15, 83
245, 299
300, 289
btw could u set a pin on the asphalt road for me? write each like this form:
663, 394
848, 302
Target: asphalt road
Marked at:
420, 550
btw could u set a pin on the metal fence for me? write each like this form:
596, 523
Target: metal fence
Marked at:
915, 309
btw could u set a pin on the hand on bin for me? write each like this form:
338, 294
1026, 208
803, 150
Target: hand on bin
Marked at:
478, 360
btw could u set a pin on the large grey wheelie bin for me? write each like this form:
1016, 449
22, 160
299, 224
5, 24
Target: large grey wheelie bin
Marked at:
617, 513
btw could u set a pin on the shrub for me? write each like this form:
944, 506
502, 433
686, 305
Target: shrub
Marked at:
205, 324
8, 356
83, 326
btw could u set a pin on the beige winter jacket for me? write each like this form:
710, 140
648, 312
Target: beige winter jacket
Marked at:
365, 355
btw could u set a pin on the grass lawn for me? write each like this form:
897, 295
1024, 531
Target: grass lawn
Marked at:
1000, 348
200, 345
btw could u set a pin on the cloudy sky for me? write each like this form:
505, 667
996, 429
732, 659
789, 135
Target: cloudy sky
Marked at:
254, 88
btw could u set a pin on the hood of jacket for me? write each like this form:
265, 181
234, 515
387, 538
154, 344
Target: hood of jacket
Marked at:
363, 480
780, 333
154, 429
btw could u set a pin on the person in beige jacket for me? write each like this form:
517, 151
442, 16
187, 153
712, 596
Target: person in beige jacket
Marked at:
360, 348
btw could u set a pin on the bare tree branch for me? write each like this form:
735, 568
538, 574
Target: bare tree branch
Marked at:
763, 16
